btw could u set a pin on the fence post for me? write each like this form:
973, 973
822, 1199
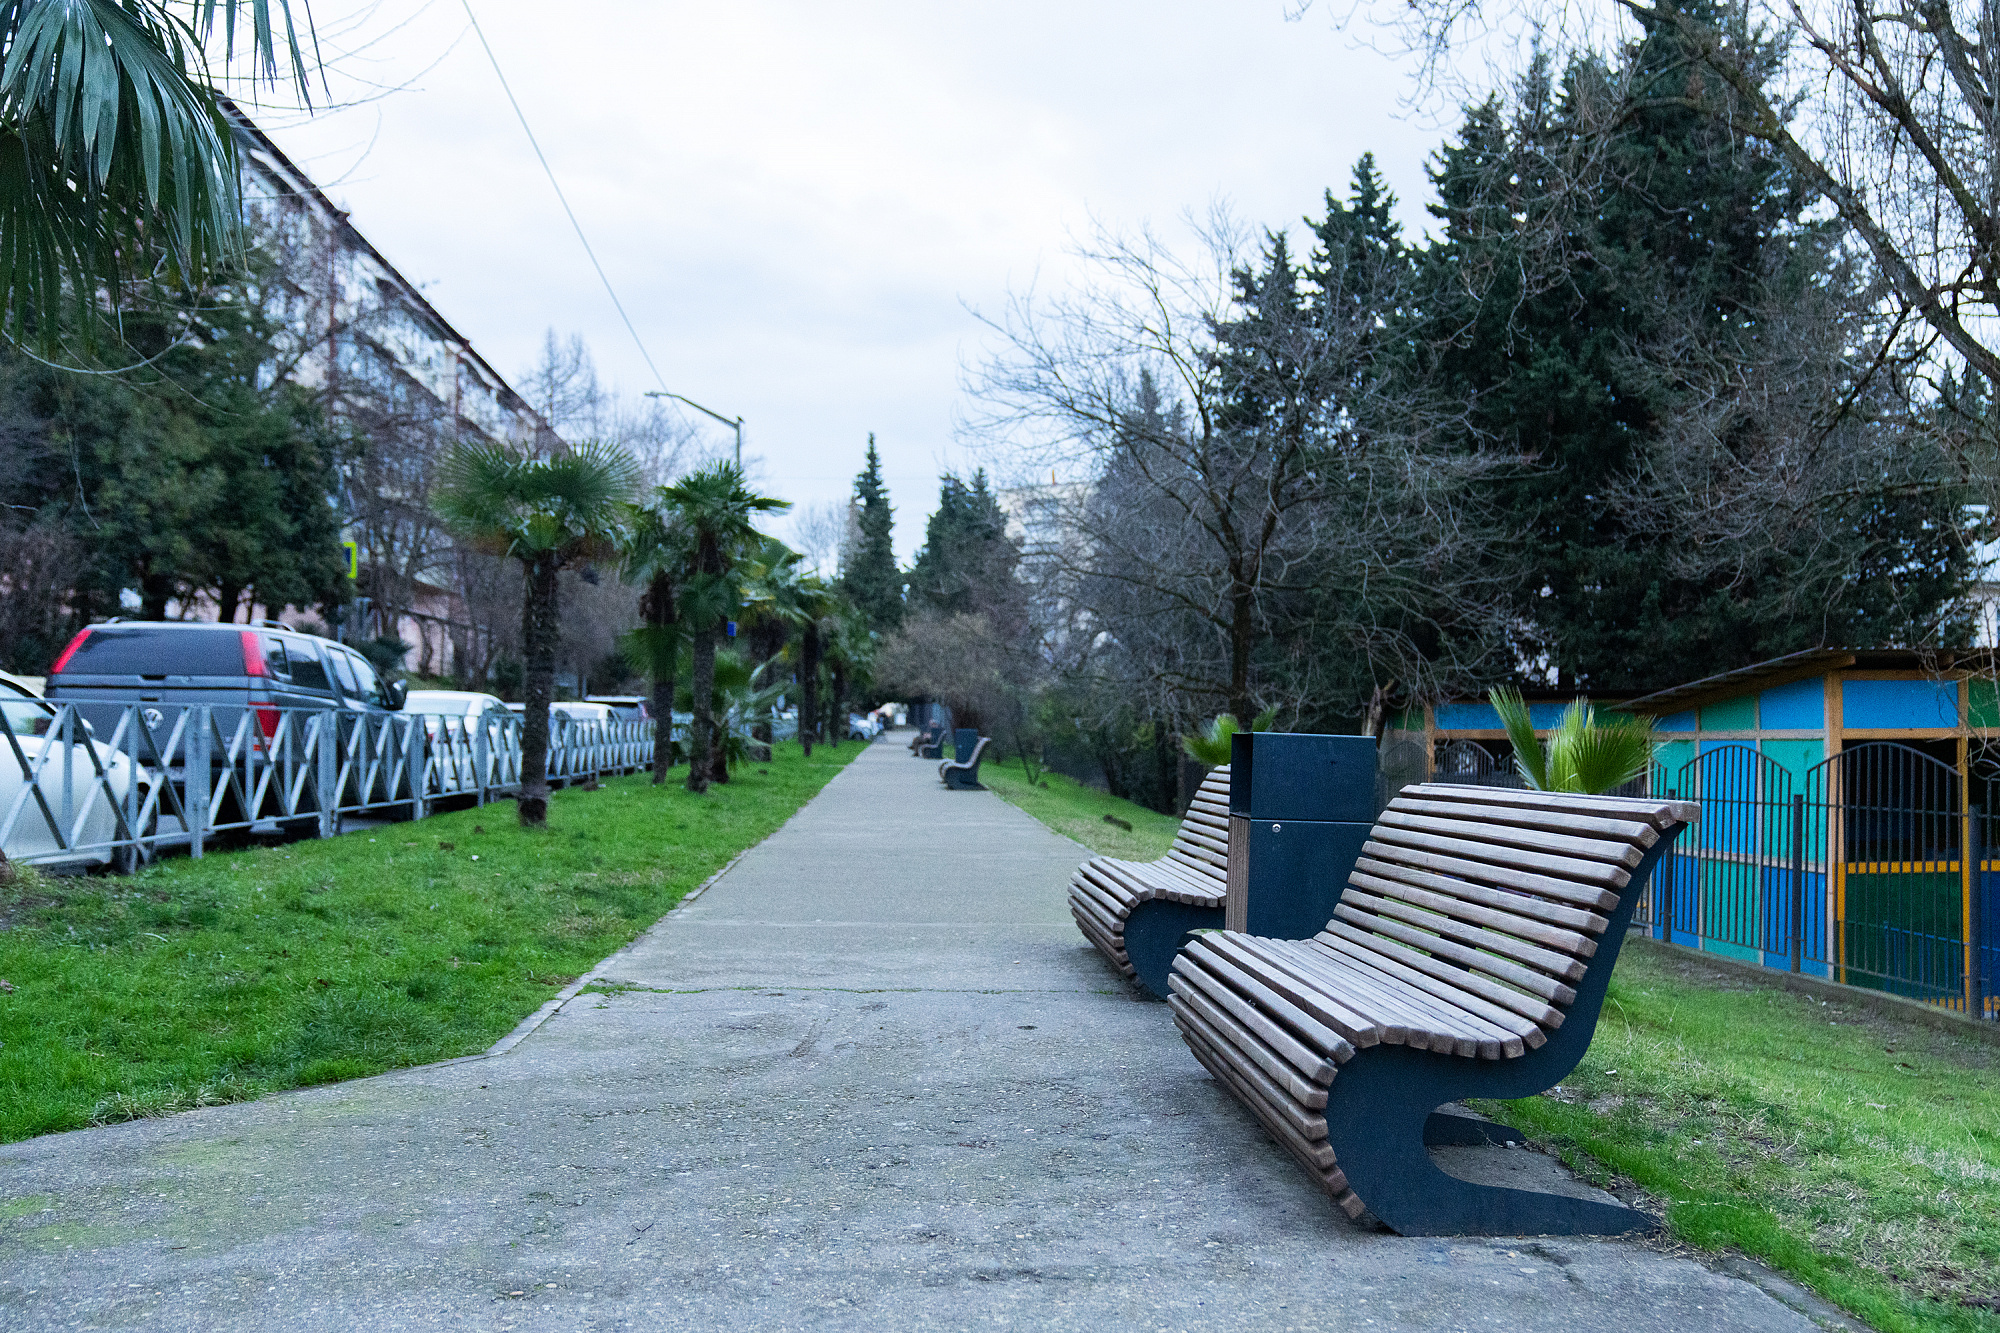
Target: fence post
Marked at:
414, 765
327, 728
129, 802
1663, 885
481, 744
1975, 926
1798, 881
197, 782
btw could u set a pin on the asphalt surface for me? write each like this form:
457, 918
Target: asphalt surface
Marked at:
871, 1079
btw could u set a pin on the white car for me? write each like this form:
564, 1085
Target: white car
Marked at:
435, 704
88, 817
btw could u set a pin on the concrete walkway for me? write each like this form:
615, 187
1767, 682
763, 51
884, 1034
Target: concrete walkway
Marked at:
864, 1082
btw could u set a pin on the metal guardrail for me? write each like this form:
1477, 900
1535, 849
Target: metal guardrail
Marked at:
69, 795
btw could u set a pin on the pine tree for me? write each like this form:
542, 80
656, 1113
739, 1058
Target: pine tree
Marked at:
967, 564
871, 578
1546, 302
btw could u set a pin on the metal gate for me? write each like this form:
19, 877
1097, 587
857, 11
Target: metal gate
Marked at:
1736, 882
1893, 824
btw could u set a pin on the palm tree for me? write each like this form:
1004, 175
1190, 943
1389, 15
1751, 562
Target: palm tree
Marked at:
657, 553
113, 145
716, 509
547, 513
1583, 754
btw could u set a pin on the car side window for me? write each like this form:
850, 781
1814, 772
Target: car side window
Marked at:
307, 673
368, 688
336, 664
276, 661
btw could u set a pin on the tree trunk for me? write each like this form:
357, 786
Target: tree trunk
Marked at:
226, 598
659, 612
701, 735
809, 687
839, 674
539, 634
155, 591
1240, 645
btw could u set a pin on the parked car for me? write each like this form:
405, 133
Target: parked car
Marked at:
164, 667
31, 721
435, 704
863, 726
624, 707
570, 708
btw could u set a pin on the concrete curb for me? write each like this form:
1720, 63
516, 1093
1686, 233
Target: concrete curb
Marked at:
1881, 1002
571, 991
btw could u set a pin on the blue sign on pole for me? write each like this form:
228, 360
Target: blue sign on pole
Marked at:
732, 629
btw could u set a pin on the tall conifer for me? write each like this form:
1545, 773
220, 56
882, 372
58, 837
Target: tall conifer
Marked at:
871, 577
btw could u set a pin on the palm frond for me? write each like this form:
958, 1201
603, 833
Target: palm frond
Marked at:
1520, 727
1211, 746
114, 150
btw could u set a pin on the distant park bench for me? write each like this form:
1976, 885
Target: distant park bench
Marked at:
1468, 956
961, 771
928, 743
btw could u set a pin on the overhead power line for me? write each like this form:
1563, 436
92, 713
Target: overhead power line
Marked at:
555, 185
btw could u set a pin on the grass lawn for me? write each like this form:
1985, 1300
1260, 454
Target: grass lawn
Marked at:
197, 982
1078, 812
1857, 1152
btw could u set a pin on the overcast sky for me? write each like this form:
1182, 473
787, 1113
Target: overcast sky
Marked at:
798, 203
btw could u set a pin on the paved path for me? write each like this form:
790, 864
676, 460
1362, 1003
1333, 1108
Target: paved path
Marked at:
861, 1083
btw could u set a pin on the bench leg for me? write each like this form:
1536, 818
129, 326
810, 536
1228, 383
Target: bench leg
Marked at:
1378, 1120
1155, 932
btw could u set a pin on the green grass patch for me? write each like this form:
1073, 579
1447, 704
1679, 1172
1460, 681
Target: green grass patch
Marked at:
196, 982
1078, 812
1858, 1152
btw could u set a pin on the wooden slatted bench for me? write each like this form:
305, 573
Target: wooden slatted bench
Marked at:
1189, 884
964, 776
1468, 957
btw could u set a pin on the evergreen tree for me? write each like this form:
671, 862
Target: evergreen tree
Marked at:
1549, 305
871, 578
968, 562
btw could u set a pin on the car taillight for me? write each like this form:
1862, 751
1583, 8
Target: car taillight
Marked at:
253, 657
69, 652
267, 718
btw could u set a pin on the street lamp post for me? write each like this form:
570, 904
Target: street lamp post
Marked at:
736, 424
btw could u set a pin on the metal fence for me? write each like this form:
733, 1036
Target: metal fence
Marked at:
1869, 868
74, 795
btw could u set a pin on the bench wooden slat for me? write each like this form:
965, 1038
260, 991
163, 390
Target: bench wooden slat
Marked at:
1404, 907
1440, 1024
1405, 1018
1661, 814
1497, 1031
1357, 909
1440, 977
1618, 851
1308, 1044
1638, 831
1520, 905
1516, 858
1567, 942
1481, 872
1317, 1155
1350, 1025
1299, 1090
1300, 1118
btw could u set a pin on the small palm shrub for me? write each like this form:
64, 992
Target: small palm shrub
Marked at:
1583, 754
1210, 745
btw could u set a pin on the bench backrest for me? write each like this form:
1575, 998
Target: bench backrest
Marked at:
1493, 895
1202, 843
